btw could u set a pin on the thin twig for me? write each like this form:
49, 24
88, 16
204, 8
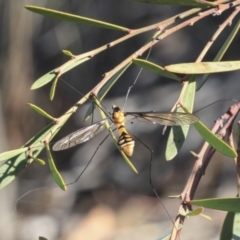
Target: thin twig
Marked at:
203, 158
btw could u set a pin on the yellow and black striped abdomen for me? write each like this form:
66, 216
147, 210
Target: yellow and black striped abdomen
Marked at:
125, 141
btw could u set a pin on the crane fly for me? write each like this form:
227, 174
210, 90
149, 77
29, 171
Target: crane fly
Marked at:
125, 140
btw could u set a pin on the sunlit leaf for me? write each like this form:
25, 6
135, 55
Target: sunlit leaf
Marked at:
221, 52
15, 165
40, 111
39, 161
206, 217
178, 134
214, 141
74, 18
46, 78
195, 212
155, 68
55, 174
53, 88
223, 204
204, 67
73, 63
68, 53
6, 155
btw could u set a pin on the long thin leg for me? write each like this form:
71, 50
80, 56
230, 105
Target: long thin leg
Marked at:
67, 184
150, 177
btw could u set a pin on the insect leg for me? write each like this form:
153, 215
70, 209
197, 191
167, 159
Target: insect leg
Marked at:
150, 177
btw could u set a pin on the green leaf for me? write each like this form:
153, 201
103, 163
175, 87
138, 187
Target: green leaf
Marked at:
42, 238
178, 134
104, 90
56, 73
195, 212
227, 228
174, 196
204, 67
223, 204
193, 3
55, 174
221, 52
206, 217
214, 141
15, 165
155, 68
48, 77
68, 53
6, 155
40, 111
39, 161
236, 226
231, 229
72, 63
63, 69
53, 88
74, 18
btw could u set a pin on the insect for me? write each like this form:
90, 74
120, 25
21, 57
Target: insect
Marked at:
125, 140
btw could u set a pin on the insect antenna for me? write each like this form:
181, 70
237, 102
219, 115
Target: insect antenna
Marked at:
90, 98
135, 81
67, 184
221, 100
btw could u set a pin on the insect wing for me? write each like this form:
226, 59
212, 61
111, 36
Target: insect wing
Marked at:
165, 118
80, 136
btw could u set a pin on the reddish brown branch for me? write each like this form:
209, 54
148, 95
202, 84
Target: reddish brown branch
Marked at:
222, 128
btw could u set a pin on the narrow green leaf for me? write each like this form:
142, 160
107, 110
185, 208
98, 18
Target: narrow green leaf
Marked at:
178, 134
223, 204
174, 196
206, 217
39, 161
74, 18
204, 67
15, 165
193, 3
227, 228
236, 226
55, 174
221, 52
53, 88
155, 68
73, 63
42, 238
6, 155
40, 111
214, 141
48, 77
195, 212
68, 53
104, 90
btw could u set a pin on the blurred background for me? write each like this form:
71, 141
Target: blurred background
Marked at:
109, 201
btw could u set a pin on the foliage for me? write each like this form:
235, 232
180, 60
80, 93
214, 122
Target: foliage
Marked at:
17, 160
